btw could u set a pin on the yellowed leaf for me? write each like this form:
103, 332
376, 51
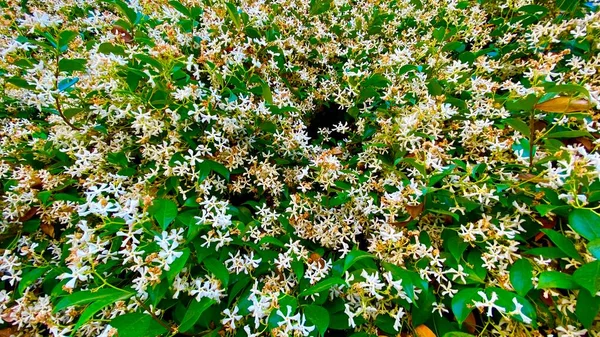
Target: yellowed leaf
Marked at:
423, 331
564, 104
532, 178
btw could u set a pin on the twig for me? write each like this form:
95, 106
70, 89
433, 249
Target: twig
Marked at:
158, 320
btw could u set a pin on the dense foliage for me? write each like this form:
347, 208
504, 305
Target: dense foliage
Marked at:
299, 168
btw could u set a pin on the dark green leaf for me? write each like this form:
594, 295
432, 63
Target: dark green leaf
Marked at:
29, 278
588, 276
71, 65
355, 256
218, 269
569, 134
319, 316
587, 308
137, 325
323, 285
176, 266
65, 38
193, 313
85, 297
164, 211
555, 279
462, 303
585, 223
518, 125
563, 243
521, 275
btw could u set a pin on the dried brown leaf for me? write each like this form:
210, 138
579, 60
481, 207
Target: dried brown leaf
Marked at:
47, 228
124, 34
415, 211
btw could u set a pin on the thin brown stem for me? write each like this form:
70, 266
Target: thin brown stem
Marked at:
531, 138
156, 318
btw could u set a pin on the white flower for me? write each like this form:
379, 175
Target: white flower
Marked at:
488, 303
398, 319
78, 272
518, 312
570, 331
231, 317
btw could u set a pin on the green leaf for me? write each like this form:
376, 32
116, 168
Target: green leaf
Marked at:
355, 256
505, 300
588, 276
193, 313
585, 223
164, 211
218, 269
547, 252
518, 125
137, 325
71, 65
266, 93
587, 308
109, 48
67, 83
177, 265
29, 278
65, 38
569, 134
319, 316
521, 275
88, 296
181, 8
563, 243
462, 303
555, 279
319, 6
214, 166
570, 88
234, 15
125, 9
435, 88
457, 334
594, 248
454, 46
323, 285
107, 297
566, 5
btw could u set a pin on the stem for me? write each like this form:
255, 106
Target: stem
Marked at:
531, 138
158, 320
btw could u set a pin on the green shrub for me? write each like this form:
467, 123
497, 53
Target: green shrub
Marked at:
299, 168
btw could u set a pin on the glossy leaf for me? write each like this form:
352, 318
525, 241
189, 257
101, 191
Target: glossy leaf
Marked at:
193, 313
319, 316
164, 211
588, 276
521, 275
585, 223
137, 325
